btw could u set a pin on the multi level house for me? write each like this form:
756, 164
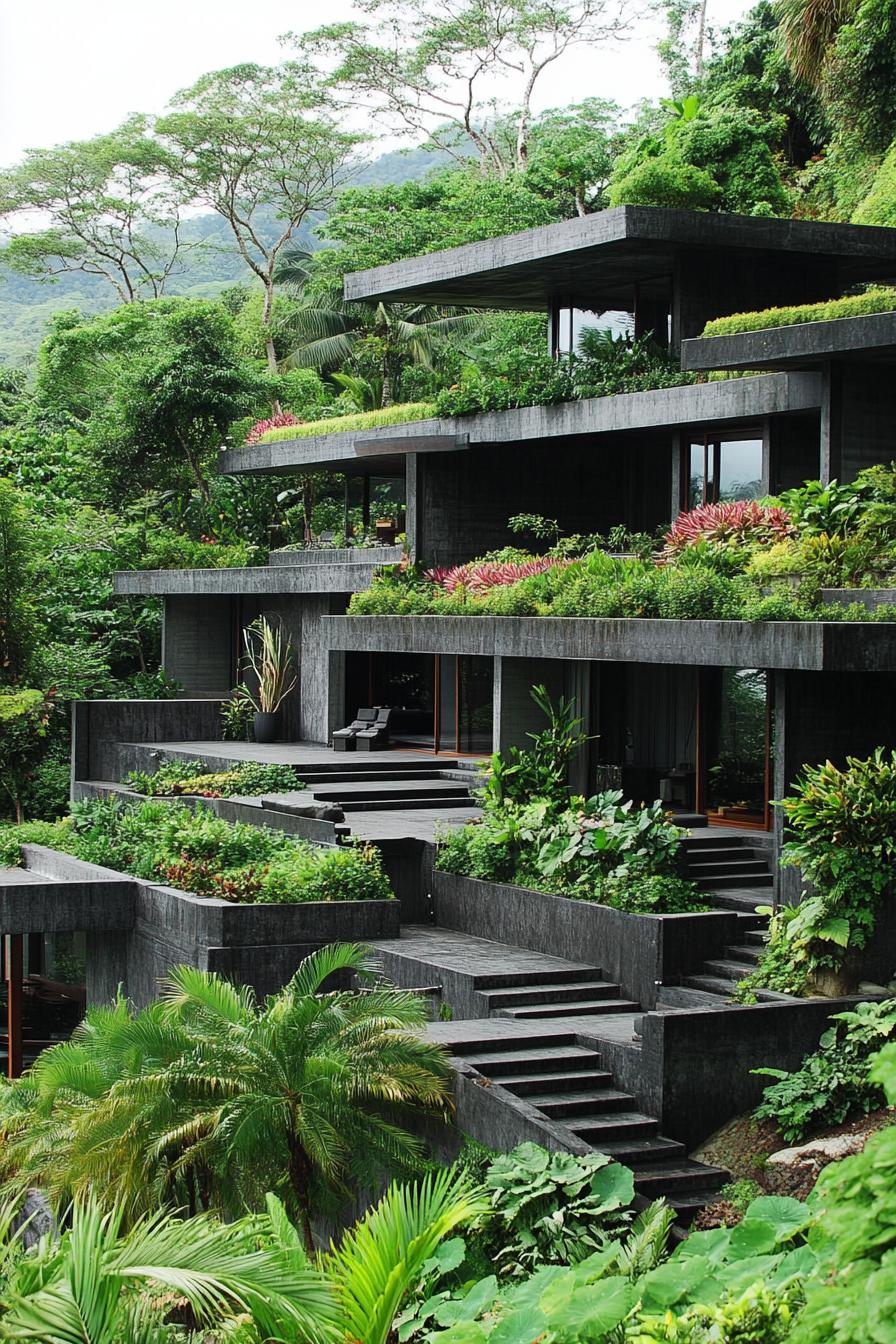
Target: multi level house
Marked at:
664, 700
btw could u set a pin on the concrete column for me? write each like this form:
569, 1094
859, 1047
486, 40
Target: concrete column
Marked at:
413, 514
678, 469
107, 966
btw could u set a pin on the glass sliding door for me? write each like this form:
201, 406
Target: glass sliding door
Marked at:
465, 695
439, 703
736, 722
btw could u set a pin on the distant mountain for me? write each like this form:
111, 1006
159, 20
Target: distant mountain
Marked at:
26, 306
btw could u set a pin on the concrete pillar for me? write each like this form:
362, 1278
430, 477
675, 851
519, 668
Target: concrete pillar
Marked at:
107, 966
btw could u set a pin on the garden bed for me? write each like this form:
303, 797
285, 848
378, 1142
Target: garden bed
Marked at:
635, 951
162, 926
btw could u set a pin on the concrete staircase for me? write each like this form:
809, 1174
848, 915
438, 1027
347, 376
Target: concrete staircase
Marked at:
714, 984
572, 993
729, 868
566, 1082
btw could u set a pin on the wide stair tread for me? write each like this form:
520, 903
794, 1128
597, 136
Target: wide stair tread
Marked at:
732, 881
743, 952
549, 993
710, 984
744, 900
594, 1102
571, 975
679, 998
571, 1008
728, 970
666, 1178
635, 1152
720, 867
403, 804
529, 1084
496, 1062
614, 1125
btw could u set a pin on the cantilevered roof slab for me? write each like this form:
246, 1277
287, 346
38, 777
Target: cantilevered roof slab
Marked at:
806, 345
611, 250
729, 401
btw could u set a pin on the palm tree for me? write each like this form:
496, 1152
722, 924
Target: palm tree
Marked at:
808, 29
207, 1100
330, 331
93, 1286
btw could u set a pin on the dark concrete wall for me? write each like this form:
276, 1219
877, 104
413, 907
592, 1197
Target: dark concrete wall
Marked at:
701, 1062
858, 419
712, 283
635, 951
199, 644
464, 499
99, 725
794, 451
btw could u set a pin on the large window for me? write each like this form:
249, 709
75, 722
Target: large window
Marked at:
720, 469
631, 311
736, 732
440, 703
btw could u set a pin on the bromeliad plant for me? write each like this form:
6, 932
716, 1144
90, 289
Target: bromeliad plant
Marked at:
741, 523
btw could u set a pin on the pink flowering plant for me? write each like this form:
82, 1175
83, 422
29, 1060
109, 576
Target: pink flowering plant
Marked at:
480, 576
261, 427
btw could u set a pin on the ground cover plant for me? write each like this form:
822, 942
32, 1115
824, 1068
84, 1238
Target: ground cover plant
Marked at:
175, 778
198, 852
346, 424
842, 835
532, 833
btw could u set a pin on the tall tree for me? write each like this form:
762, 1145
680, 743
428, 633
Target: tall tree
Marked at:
110, 207
444, 68
256, 144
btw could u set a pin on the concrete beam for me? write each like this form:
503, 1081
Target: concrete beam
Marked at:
728, 401
804, 345
810, 646
259, 580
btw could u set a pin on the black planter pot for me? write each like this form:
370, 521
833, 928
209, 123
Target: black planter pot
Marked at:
265, 726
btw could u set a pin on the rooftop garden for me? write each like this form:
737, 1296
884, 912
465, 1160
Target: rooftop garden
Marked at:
604, 849
873, 300
745, 560
196, 851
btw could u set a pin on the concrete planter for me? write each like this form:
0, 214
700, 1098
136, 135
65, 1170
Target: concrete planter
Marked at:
636, 951
144, 929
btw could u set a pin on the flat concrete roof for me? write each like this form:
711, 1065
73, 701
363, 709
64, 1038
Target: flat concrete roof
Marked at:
609, 250
804, 345
730, 401
808, 646
258, 579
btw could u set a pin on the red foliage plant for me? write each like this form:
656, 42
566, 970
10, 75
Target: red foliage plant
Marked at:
741, 522
276, 422
480, 576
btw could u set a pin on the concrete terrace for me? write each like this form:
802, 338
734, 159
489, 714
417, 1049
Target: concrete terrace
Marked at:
384, 450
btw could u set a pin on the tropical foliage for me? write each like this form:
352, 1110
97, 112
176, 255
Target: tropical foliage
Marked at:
199, 852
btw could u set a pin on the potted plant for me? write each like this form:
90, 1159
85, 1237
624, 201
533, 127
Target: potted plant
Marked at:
269, 654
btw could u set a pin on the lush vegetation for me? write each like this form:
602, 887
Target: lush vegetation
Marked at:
533, 834
842, 835
833, 1084
176, 778
873, 300
198, 852
727, 561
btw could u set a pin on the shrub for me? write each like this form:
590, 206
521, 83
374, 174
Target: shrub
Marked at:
666, 181
53, 834
24, 726
175, 778
873, 300
833, 1083
481, 576
261, 427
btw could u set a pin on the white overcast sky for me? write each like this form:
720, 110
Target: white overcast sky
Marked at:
70, 69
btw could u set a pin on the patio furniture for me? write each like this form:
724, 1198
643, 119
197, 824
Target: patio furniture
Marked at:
376, 736
344, 739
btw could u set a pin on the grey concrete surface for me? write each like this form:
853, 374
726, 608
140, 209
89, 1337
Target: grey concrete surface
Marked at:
257, 580
801, 345
811, 646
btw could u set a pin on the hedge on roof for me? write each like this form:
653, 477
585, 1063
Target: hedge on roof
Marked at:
877, 300
345, 424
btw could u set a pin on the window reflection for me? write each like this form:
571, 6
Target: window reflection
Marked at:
723, 470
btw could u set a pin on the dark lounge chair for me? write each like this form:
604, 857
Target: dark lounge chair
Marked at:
376, 736
344, 739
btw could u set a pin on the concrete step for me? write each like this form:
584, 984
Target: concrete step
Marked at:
567, 1104
362, 792
687, 1206
714, 841
529, 1084
566, 974
728, 970
679, 997
551, 993
733, 880
497, 1062
329, 778
404, 804
586, 1007
744, 952
758, 938
614, 1127
685, 1177
638, 1152
710, 984
724, 867
744, 900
